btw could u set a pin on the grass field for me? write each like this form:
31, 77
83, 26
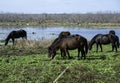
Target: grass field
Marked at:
32, 65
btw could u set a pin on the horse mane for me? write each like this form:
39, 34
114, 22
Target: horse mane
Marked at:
9, 36
93, 39
54, 43
64, 34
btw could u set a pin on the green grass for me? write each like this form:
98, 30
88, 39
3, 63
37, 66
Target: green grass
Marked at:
21, 65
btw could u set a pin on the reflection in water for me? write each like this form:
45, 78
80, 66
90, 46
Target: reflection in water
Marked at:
41, 33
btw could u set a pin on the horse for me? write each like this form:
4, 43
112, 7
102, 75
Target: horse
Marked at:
16, 34
69, 43
64, 34
104, 39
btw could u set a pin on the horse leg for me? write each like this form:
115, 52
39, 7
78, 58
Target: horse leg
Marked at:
83, 53
53, 57
79, 53
112, 47
116, 48
101, 47
13, 40
25, 37
62, 55
96, 47
68, 54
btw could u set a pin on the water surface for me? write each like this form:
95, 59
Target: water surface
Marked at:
41, 33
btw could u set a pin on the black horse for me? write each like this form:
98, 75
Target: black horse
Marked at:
16, 34
100, 39
69, 43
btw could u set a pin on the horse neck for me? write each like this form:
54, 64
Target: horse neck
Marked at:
8, 37
92, 42
56, 44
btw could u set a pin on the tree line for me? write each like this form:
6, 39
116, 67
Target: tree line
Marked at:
62, 18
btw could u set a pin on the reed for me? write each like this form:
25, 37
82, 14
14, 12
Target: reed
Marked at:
33, 43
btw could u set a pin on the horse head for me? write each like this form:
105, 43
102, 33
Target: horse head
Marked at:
112, 32
51, 52
90, 46
6, 42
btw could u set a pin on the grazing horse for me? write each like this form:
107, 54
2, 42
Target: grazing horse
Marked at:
100, 39
69, 43
16, 34
64, 34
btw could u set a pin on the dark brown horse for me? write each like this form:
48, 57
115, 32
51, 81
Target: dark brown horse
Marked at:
16, 34
69, 43
64, 34
104, 39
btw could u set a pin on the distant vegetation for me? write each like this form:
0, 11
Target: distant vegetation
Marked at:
60, 19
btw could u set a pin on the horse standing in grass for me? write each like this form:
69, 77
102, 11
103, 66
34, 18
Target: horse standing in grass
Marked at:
104, 39
16, 34
69, 43
62, 34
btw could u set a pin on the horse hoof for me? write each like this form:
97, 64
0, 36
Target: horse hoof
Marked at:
79, 59
70, 57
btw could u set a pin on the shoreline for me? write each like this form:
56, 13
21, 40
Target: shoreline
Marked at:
49, 24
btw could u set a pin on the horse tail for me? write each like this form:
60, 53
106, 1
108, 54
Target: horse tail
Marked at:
117, 41
25, 35
86, 46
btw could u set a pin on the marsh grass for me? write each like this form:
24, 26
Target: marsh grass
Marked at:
25, 47
28, 62
33, 43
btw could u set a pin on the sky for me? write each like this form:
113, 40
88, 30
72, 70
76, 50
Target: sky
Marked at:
59, 6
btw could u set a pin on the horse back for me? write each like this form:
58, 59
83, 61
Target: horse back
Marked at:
105, 39
73, 42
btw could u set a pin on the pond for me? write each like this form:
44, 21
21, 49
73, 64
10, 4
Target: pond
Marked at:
41, 33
